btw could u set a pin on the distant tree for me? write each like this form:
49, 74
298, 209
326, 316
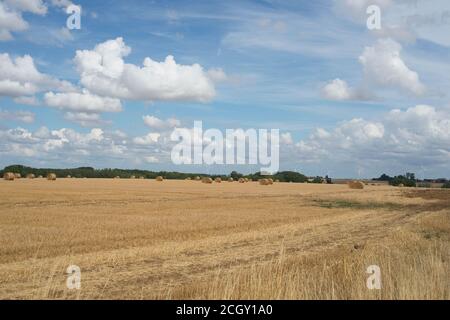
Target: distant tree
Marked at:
235, 175
407, 180
317, 180
446, 185
383, 177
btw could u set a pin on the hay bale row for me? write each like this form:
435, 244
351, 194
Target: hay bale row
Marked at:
207, 180
356, 185
266, 182
9, 176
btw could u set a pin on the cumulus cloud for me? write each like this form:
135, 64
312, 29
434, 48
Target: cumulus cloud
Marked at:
383, 65
286, 138
33, 6
160, 125
11, 19
58, 145
84, 119
19, 77
149, 139
104, 72
28, 100
420, 134
339, 90
22, 116
82, 102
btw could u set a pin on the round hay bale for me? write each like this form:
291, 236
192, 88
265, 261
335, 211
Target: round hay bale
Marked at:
9, 176
270, 181
401, 185
264, 182
188, 179
241, 180
218, 180
356, 185
197, 178
31, 176
40, 177
133, 177
230, 179
142, 177
278, 180
245, 179
17, 175
207, 180
159, 178
116, 177
69, 176
51, 177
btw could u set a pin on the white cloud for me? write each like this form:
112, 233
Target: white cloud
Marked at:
384, 66
286, 138
19, 77
149, 139
10, 21
160, 125
22, 116
82, 102
419, 134
33, 6
151, 159
84, 119
339, 90
61, 3
104, 72
217, 74
28, 100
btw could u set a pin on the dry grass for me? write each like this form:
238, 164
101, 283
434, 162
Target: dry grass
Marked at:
144, 240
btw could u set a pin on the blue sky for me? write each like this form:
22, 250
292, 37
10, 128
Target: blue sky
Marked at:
350, 101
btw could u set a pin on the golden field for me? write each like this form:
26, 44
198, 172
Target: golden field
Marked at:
143, 239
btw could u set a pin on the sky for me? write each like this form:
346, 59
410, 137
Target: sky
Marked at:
348, 101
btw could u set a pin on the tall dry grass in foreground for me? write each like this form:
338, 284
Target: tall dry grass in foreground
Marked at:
411, 268
414, 273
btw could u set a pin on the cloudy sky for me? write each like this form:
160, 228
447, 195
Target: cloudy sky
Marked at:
349, 101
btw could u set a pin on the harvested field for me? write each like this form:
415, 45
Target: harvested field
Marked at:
142, 239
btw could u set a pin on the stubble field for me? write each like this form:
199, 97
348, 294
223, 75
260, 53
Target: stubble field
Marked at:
143, 239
